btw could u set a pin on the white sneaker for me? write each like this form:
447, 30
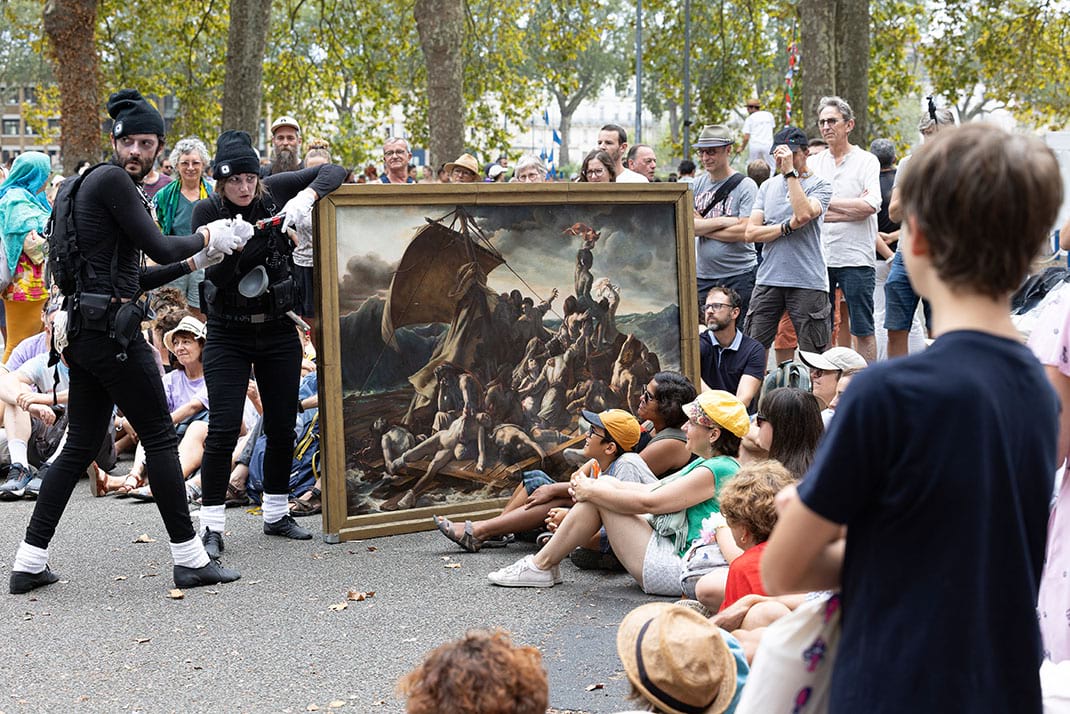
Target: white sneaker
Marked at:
523, 574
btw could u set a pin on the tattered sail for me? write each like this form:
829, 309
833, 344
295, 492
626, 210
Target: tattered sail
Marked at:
422, 286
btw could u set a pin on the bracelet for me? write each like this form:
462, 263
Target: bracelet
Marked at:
785, 228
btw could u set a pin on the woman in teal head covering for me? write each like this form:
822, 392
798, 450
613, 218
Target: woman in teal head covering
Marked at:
24, 211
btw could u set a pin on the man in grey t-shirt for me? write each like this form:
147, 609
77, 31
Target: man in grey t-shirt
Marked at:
787, 218
723, 258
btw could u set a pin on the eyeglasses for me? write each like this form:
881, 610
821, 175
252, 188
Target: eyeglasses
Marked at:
395, 152
753, 106
760, 419
595, 172
715, 306
647, 397
816, 373
828, 122
592, 432
711, 150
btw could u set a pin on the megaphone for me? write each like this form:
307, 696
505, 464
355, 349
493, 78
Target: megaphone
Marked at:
254, 283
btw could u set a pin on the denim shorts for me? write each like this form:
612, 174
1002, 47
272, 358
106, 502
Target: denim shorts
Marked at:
900, 300
534, 479
858, 283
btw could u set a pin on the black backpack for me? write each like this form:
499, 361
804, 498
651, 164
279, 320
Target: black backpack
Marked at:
65, 261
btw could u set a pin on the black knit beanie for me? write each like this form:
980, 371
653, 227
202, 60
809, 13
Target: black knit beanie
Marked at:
234, 154
133, 114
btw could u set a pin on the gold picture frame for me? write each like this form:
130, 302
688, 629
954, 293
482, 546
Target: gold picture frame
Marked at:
392, 262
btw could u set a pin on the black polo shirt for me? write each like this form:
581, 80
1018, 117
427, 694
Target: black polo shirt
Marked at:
723, 367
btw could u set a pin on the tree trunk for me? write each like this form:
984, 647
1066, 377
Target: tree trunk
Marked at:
69, 26
834, 43
441, 24
246, 41
567, 109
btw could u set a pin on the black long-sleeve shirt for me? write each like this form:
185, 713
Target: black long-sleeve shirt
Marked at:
112, 221
279, 189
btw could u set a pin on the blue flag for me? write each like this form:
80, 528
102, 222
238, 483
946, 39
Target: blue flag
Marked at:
546, 116
542, 154
557, 137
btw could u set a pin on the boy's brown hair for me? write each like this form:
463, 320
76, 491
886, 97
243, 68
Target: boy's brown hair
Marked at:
748, 498
985, 200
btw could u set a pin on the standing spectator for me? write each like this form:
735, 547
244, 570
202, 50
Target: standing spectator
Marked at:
787, 218
723, 201
174, 208
887, 238
530, 170
849, 231
900, 299
24, 211
686, 171
597, 167
613, 140
758, 133
155, 181
396, 157
464, 170
946, 511
285, 146
642, 160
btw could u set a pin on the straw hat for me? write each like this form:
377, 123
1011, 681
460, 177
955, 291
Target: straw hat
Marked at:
190, 325
677, 658
464, 161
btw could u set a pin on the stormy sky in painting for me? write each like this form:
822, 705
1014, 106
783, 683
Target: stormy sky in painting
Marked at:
636, 251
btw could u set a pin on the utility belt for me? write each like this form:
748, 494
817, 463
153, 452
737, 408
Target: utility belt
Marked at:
278, 299
101, 313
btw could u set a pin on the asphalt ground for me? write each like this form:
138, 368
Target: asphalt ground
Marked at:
107, 638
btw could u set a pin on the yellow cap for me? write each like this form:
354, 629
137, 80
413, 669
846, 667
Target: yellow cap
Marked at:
719, 408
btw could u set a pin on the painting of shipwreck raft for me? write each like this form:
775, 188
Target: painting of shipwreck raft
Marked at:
473, 326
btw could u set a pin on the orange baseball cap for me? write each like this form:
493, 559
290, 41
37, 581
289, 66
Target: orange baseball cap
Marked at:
621, 426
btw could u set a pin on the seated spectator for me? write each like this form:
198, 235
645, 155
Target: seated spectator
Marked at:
598, 167
612, 448
729, 359
187, 400
481, 673
678, 661
841, 386
464, 170
651, 550
826, 369
530, 169
33, 398
748, 509
789, 426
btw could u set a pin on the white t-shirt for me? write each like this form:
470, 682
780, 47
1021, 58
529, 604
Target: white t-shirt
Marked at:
850, 244
629, 176
759, 126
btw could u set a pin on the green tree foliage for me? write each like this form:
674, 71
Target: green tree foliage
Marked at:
573, 48
1011, 54
893, 70
730, 50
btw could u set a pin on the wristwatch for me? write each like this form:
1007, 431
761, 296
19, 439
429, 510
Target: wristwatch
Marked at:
791, 174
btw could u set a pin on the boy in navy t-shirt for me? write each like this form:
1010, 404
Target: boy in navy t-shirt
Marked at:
940, 465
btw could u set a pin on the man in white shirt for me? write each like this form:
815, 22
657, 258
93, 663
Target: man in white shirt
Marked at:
758, 133
613, 140
849, 233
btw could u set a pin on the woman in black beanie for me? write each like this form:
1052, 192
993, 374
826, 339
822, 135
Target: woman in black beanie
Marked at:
246, 298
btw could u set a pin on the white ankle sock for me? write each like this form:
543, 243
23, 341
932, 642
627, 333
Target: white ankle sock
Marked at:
30, 559
19, 451
190, 553
213, 518
276, 506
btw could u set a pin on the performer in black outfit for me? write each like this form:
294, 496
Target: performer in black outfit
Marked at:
114, 227
254, 333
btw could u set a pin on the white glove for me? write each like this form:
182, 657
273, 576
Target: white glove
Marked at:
298, 206
243, 230
221, 238
206, 257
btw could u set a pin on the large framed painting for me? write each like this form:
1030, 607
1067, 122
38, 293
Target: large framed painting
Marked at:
463, 328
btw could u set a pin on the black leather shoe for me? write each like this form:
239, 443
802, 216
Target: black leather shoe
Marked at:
210, 574
288, 528
213, 543
25, 582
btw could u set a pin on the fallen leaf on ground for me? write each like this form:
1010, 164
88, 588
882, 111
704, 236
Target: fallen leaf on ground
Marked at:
359, 595
446, 558
120, 577
338, 606
592, 687
144, 538
317, 556
147, 575
336, 704
452, 565
175, 594
372, 549
254, 582
143, 640
312, 708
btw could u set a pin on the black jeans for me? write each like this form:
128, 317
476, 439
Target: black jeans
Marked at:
232, 350
98, 381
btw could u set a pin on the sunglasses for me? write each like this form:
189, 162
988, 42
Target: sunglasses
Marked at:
760, 419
